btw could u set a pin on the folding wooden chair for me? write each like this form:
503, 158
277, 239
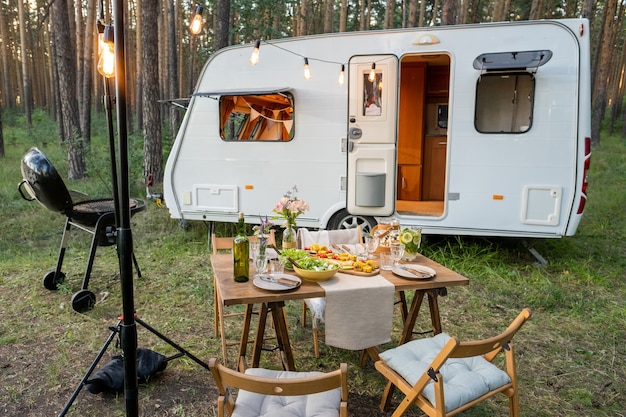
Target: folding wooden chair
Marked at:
265, 393
444, 376
226, 244
318, 305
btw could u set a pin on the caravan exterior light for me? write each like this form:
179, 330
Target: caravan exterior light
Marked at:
426, 40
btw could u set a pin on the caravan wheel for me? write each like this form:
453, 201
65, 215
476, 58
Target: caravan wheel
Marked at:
344, 220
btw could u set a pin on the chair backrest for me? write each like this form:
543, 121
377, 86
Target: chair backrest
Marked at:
306, 237
280, 383
465, 369
43, 182
226, 243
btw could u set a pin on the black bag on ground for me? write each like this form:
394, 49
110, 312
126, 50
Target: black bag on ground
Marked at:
110, 378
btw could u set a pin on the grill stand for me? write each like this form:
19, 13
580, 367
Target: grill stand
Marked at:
103, 234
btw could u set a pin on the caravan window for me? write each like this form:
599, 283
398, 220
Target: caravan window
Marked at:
504, 102
256, 117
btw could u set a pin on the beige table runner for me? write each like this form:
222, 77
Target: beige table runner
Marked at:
359, 311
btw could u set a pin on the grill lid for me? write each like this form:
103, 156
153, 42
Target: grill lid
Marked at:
45, 183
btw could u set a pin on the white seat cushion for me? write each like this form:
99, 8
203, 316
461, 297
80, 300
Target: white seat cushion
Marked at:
464, 379
323, 404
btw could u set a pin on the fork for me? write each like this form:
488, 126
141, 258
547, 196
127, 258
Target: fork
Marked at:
419, 274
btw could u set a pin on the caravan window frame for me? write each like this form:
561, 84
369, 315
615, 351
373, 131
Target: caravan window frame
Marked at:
258, 117
505, 102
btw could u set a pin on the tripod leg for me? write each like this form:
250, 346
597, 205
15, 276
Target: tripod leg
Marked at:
171, 343
114, 331
136, 266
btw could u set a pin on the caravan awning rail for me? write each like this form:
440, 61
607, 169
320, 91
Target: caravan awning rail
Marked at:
243, 92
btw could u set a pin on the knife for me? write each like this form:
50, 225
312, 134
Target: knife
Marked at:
284, 281
419, 274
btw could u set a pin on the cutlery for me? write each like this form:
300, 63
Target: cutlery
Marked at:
339, 248
417, 273
284, 281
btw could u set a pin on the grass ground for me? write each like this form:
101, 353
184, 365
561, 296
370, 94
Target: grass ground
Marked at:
571, 353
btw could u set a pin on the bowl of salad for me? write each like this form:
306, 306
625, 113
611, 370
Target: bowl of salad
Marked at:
315, 269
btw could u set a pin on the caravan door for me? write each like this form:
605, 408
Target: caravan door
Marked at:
372, 114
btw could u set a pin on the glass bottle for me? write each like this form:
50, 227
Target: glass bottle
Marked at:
241, 253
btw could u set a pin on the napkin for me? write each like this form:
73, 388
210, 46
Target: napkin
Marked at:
358, 312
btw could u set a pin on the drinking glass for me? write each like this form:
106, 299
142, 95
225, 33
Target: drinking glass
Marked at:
254, 251
260, 263
397, 251
277, 266
371, 243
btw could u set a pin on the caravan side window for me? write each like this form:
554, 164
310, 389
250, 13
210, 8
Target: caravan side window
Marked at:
256, 117
504, 102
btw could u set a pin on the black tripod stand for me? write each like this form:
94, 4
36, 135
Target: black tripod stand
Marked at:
115, 330
127, 324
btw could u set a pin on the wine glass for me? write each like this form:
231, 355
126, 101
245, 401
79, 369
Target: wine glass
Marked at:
396, 250
260, 263
371, 244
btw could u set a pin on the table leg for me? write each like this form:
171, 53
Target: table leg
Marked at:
433, 304
409, 323
243, 343
260, 332
282, 335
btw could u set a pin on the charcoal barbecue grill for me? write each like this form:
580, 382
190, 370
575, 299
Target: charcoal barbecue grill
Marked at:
42, 182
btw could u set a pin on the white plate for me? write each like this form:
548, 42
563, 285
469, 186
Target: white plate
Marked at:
275, 286
428, 272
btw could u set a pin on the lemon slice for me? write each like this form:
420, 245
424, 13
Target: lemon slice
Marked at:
406, 237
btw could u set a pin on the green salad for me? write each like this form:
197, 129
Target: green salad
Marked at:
316, 264
295, 254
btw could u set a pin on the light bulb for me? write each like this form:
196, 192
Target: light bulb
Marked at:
307, 70
372, 76
106, 62
196, 23
254, 56
342, 75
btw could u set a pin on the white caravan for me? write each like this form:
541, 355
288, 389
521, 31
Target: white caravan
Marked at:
463, 130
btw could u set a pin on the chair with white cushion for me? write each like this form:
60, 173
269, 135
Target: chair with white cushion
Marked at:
317, 306
268, 393
444, 376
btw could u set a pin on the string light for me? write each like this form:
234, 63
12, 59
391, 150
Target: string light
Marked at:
106, 62
342, 75
372, 76
254, 56
196, 23
307, 70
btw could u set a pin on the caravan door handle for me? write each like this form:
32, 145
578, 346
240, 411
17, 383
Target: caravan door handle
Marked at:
355, 133
350, 146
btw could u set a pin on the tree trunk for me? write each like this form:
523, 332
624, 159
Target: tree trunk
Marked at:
343, 16
1, 135
329, 16
26, 98
448, 12
153, 148
87, 58
139, 82
223, 24
7, 95
389, 14
412, 20
66, 61
600, 84
172, 66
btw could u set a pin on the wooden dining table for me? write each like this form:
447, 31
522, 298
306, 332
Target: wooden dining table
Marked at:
233, 293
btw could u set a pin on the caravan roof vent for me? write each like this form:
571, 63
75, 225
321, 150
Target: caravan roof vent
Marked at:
512, 61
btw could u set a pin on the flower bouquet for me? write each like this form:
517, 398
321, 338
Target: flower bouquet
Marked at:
288, 208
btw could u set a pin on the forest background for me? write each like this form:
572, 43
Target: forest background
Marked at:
49, 51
